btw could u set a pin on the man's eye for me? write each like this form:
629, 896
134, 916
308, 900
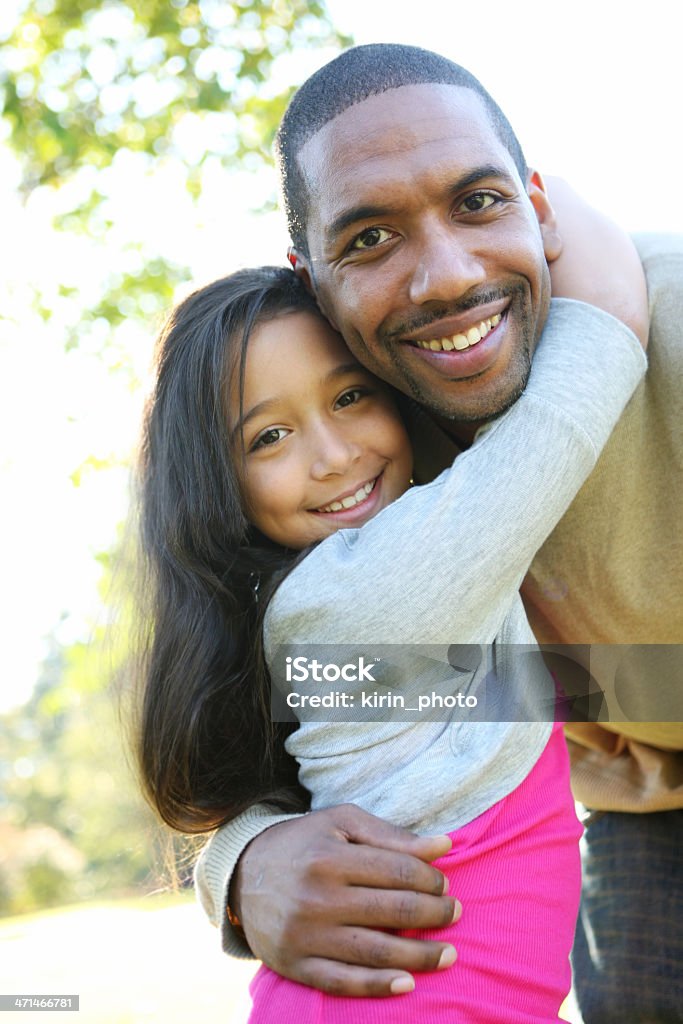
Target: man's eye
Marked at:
370, 239
350, 397
268, 437
476, 202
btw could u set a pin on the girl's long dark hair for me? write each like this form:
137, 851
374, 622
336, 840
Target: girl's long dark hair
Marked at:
206, 746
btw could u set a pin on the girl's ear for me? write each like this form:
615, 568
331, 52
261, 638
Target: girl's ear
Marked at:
536, 190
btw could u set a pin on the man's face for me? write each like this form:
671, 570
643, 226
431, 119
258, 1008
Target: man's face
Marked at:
426, 251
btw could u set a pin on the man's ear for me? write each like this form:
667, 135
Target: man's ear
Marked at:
302, 269
536, 190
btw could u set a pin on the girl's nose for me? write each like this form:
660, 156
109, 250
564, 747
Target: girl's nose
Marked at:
334, 452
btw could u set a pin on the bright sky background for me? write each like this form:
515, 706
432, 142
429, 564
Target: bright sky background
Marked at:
594, 91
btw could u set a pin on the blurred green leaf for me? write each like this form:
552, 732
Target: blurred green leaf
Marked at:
84, 82
181, 83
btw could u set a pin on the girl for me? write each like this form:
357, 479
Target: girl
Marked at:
268, 455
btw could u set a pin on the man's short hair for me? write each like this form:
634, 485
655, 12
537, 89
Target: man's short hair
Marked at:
352, 77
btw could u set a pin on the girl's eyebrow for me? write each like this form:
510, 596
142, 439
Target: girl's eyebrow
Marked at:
268, 403
260, 407
342, 371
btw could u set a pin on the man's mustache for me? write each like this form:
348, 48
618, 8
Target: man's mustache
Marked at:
405, 328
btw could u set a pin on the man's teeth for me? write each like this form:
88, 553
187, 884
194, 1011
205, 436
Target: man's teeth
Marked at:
462, 341
350, 500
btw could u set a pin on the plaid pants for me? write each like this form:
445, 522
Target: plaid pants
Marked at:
628, 952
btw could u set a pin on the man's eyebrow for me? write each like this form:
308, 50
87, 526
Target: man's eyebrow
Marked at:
479, 174
268, 403
355, 214
368, 211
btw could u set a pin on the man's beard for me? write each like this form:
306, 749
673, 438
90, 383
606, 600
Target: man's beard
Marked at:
466, 407
490, 406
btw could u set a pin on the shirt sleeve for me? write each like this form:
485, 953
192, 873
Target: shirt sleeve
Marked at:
445, 561
466, 539
214, 869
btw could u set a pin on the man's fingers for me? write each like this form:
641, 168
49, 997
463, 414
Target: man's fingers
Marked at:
346, 979
374, 908
358, 826
339, 979
382, 950
375, 868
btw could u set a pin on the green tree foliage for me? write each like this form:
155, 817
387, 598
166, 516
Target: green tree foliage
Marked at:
84, 81
87, 78
65, 774
88, 86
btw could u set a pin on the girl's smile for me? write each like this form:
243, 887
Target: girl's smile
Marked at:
323, 446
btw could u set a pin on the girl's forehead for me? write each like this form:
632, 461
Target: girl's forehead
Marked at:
295, 342
292, 362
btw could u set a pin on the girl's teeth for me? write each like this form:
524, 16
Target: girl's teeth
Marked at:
351, 499
462, 341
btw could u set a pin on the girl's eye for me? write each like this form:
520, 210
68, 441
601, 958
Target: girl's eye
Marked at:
268, 438
370, 239
477, 202
350, 397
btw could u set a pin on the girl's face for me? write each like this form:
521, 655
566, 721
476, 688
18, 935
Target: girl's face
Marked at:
324, 446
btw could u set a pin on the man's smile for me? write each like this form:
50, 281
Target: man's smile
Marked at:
465, 339
484, 346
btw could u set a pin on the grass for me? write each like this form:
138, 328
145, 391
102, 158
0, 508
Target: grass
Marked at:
131, 961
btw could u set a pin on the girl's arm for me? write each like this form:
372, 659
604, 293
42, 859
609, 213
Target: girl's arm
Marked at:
598, 262
444, 563
506, 530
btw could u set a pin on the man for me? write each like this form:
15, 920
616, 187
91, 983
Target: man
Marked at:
412, 212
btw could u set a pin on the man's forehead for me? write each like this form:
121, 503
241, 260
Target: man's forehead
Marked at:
387, 136
405, 110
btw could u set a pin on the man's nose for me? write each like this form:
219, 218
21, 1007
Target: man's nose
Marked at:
333, 451
445, 266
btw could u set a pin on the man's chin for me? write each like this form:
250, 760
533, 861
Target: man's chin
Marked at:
471, 403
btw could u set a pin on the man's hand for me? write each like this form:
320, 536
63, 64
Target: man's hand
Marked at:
598, 262
311, 894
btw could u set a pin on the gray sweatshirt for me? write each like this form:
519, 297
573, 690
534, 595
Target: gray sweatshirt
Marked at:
442, 566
